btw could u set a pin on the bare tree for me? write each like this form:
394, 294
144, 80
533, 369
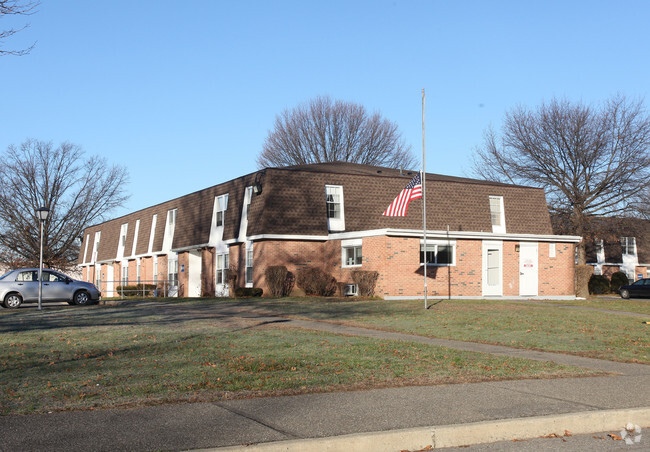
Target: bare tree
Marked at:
16, 8
592, 161
78, 190
325, 131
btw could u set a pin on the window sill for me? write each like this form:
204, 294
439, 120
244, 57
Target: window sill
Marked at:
352, 266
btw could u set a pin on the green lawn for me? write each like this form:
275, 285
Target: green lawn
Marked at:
139, 354
542, 326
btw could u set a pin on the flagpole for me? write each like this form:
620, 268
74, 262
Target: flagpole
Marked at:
424, 206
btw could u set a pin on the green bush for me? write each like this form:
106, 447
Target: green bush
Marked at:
618, 279
366, 281
598, 285
316, 281
248, 292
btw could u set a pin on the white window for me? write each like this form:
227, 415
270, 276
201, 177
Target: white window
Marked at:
172, 273
247, 198
628, 244
497, 214
135, 238
123, 231
351, 253
137, 269
98, 276
249, 265
152, 233
222, 205
222, 268
171, 217
122, 242
334, 204
439, 253
98, 236
155, 270
551, 250
125, 274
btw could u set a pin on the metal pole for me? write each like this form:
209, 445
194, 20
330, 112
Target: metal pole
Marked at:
40, 272
424, 208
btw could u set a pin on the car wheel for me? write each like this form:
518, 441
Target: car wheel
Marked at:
625, 293
81, 298
12, 301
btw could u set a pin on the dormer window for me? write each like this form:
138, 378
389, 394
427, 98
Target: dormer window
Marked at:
334, 203
628, 244
222, 205
497, 214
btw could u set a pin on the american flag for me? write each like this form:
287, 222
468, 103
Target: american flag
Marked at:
400, 204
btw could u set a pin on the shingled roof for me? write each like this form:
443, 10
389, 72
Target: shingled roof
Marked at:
292, 202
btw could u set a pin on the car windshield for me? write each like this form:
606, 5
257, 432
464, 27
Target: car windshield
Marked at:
5, 275
638, 283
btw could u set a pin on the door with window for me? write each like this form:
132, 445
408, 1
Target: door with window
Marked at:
492, 269
221, 275
528, 269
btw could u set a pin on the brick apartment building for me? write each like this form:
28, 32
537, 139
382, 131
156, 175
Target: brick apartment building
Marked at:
484, 239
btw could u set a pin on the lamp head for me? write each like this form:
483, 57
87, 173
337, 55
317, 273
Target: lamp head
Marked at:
42, 213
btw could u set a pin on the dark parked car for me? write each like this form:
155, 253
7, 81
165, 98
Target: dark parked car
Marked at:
22, 285
640, 288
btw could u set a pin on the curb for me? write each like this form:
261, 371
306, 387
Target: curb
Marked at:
437, 437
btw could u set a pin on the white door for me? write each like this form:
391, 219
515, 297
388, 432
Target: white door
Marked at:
109, 281
528, 269
221, 282
492, 268
194, 274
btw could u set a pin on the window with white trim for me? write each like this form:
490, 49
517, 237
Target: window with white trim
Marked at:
155, 270
248, 197
123, 231
222, 268
497, 215
351, 253
551, 250
628, 244
125, 274
249, 265
334, 204
222, 205
439, 253
172, 273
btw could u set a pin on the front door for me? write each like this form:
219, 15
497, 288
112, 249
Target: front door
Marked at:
492, 268
528, 269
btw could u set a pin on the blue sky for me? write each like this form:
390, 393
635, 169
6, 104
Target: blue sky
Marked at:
184, 93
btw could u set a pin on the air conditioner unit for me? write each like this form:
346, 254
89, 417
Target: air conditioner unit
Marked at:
351, 290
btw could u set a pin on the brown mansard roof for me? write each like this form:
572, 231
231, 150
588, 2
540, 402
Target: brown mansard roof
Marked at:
292, 202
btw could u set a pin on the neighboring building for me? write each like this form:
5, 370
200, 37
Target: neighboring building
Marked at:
484, 239
619, 244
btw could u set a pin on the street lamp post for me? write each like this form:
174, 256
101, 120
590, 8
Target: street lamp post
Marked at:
42, 213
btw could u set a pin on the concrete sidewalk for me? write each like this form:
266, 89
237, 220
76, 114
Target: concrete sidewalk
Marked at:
409, 418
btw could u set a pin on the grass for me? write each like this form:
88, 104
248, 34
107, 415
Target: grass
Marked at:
538, 326
611, 304
132, 355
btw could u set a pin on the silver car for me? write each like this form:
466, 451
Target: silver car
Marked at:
22, 285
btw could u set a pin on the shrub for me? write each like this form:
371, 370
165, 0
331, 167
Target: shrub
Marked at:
248, 292
598, 285
136, 290
583, 273
618, 279
365, 281
315, 281
276, 278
